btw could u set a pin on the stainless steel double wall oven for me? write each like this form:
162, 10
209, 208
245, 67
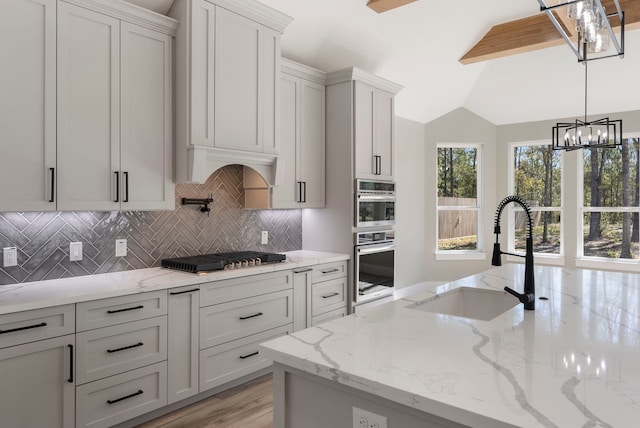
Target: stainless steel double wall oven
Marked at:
374, 250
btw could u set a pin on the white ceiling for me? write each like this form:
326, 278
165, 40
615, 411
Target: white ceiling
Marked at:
418, 46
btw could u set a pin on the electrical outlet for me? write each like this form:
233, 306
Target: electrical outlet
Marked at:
265, 237
75, 251
121, 247
365, 419
10, 256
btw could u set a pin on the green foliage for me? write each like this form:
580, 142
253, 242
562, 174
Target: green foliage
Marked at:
457, 172
533, 165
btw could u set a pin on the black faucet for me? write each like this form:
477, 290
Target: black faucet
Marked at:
528, 298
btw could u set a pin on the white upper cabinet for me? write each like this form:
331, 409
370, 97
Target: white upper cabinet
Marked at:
227, 86
373, 132
28, 105
302, 138
114, 113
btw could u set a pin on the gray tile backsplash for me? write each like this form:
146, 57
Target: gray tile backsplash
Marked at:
43, 238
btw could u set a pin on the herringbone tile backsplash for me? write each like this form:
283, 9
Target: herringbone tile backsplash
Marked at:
43, 238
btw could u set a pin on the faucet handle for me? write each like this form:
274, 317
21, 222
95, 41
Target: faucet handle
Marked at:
523, 298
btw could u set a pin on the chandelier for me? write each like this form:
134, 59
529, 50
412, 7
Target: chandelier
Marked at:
587, 29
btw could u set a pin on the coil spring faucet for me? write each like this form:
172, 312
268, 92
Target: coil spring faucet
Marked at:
528, 298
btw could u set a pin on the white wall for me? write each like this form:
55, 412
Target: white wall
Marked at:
410, 173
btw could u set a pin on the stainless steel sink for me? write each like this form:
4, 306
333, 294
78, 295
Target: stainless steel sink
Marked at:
468, 302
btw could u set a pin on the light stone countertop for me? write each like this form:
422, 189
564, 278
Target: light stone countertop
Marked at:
573, 362
42, 294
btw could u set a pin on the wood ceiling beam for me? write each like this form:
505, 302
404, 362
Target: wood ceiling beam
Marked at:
385, 5
537, 32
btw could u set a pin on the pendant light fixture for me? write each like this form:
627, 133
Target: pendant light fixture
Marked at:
587, 29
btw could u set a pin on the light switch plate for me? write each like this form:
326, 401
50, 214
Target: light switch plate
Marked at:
121, 247
75, 251
265, 237
10, 256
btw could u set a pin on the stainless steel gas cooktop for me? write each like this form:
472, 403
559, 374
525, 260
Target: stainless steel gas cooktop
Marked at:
221, 261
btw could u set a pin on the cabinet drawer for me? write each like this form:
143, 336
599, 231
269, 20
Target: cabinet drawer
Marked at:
224, 363
118, 310
109, 401
239, 288
329, 271
329, 295
233, 320
112, 350
328, 316
38, 324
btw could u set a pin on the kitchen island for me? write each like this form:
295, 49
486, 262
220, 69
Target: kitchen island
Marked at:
573, 362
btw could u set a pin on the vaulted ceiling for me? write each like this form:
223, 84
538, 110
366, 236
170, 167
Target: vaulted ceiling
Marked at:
419, 46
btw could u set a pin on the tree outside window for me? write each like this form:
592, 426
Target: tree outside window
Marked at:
611, 201
458, 202
536, 178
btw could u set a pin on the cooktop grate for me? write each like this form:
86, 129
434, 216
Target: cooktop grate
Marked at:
220, 261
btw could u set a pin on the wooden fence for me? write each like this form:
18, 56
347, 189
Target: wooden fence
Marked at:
455, 224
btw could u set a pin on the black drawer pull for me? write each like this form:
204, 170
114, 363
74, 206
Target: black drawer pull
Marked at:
124, 348
242, 357
330, 270
252, 316
70, 380
139, 392
303, 270
326, 296
115, 311
175, 293
42, 324
53, 184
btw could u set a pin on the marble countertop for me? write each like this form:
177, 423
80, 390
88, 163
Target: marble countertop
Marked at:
573, 362
42, 294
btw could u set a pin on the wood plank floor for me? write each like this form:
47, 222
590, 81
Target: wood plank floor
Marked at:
246, 406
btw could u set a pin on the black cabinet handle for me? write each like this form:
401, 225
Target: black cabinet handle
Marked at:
117, 186
330, 270
302, 270
175, 293
304, 183
53, 184
138, 392
378, 165
70, 380
42, 324
126, 186
326, 296
299, 191
242, 357
124, 348
115, 311
252, 316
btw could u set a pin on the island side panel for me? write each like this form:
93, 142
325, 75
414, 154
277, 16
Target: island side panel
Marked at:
304, 400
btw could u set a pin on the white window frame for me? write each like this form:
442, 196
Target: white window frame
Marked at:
478, 253
591, 262
543, 258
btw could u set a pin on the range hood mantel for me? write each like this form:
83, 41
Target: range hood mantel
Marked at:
204, 160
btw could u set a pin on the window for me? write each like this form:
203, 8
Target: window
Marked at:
459, 197
610, 202
536, 178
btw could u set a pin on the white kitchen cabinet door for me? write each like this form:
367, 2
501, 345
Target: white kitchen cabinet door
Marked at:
146, 144
384, 134
237, 71
38, 386
28, 105
286, 194
311, 170
365, 161
182, 358
302, 298
302, 144
88, 110
373, 124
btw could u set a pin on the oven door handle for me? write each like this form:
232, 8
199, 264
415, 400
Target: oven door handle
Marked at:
369, 249
383, 198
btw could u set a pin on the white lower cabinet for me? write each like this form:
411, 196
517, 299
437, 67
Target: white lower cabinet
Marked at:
115, 399
38, 384
182, 359
246, 312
